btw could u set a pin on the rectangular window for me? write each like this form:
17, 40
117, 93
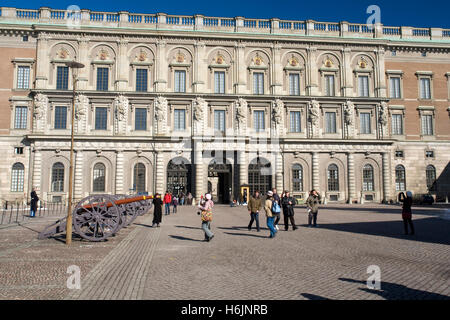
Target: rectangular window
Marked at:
429, 154
397, 124
180, 81
20, 118
399, 154
425, 88
329, 85
295, 121
365, 127
18, 150
427, 125
140, 119
330, 122
258, 120
394, 86
180, 120
23, 77
102, 79
294, 84
101, 118
219, 120
60, 117
258, 83
141, 80
219, 82
363, 86
62, 78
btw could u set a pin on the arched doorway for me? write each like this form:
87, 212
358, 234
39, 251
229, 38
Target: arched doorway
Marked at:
260, 175
179, 176
220, 181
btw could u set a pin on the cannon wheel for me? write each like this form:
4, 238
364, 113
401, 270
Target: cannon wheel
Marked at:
99, 221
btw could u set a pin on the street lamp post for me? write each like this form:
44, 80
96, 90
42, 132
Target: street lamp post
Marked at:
73, 65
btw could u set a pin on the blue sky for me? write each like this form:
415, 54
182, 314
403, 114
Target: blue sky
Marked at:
428, 13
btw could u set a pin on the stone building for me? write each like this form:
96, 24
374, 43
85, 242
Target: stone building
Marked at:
195, 103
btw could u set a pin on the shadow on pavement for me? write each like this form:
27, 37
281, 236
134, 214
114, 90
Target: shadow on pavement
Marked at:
310, 296
189, 227
143, 225
184, 238
432, 230
246, 234
241, 228
393, 291
394, 209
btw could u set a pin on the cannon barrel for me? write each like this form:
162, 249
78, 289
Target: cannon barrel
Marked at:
121, 201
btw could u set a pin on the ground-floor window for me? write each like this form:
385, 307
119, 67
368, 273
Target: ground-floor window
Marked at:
333, 178
400, 178
368, 178
139, 177
260, 176
178, 176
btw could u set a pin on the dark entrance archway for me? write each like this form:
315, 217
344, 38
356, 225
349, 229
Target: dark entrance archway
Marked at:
179, 172
222, 173
260, 175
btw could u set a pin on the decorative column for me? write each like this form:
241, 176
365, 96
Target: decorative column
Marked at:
37, 165
159, 172
42, 61
199, 66
351, 177
119, 172
241, 71
78, 188
83, 73
315, 171
243, 167
312, 81
277, 70
161, 67
348, 73
279, 172
386, 177
122, 66
381, 73
198, 162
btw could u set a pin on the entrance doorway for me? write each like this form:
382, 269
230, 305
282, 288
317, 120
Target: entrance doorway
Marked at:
179, 176
260, 176
220, 182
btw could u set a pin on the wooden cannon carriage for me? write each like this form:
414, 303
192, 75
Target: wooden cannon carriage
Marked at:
98, 217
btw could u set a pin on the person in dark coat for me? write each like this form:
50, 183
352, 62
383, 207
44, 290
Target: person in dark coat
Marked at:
288, 202
157, 211
406, 211
312, 204
33, 203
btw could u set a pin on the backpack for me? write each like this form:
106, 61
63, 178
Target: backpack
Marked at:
275, 207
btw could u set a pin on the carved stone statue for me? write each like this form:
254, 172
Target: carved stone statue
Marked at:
383, 119
241, 109
277, 112
349, 108
160, 108
314, 112
121, 107
40, 105
199, 107
81, 106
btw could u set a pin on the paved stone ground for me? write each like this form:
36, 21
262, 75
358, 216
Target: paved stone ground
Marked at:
173, 261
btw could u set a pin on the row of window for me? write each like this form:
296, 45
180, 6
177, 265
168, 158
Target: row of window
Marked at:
62, 82
400, 177
101, 120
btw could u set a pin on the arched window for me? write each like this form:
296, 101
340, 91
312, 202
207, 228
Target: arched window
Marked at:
17, 176
431, 176
58, 177
297, 178
260, 175
139, 177
400, 178
99, 177
333, 178
368, 178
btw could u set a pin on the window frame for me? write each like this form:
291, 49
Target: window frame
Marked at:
264, 124
17, 181
135, 113
108, 69
260, 75
368, 183
94, 190
425, 75
299, 124
23, 62
95, 118
179, 71
67, 81
147, 76
62, 182
403, 181
300, 180
221, 111
297, 91
222, 85
333, 181
54, 117
175, 111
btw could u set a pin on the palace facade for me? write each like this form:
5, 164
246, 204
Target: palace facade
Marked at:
196, 104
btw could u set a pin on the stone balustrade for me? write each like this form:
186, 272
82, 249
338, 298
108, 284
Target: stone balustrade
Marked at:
344, 29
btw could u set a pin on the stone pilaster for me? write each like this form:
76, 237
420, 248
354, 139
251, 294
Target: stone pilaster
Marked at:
42, 62
37, 167
161, 66
83, 73
78, 189
119, 172
386, 177
243, 167
241, 70
159, 171
351, 177
199, 66
381, 74
122, 66
312, 80
277, 71
198, 162
279, 172
348, 73
315, 171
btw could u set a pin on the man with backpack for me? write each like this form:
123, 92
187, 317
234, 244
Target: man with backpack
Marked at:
268, 208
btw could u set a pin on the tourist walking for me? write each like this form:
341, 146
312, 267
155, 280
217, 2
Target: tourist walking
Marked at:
157, 210
174, 204
167, 200
406, 211
182, 197
254, 205
189, 199
288, 203
270, 218
33, 202
277, 212
206, 216
312, 204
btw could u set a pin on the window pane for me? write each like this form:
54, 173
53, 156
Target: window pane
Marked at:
102, 79
23, 77
397, 124
395, 87
294, 84
427, 125
330, 122
62, 78
20, 117
333, 178
295, 121
363, 86
58, 177
101, 119
139, 177
259, 120
140, 119
329, 85
60, 117
180, 81
365, 127
258, 83
141, 80
219, 120
425, 90
297, 178
99, 178
219, 82
17, 177
180, 120
368, 178
431, 176
400, 180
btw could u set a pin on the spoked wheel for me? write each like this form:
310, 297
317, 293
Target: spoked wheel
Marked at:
129, 211
96, 217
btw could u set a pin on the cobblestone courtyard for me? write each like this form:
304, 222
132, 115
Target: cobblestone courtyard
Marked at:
172, 262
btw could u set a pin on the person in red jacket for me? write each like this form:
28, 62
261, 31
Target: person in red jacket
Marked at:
167, 201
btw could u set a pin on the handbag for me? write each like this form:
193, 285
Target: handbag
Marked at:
206, 215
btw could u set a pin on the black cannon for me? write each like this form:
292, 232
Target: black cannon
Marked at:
98, 217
